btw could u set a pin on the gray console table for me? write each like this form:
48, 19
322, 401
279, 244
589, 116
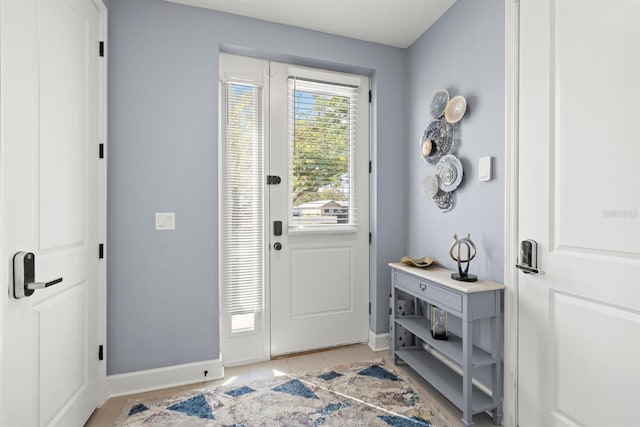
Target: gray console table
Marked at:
470, 377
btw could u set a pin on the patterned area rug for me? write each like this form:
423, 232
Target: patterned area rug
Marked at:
369, 393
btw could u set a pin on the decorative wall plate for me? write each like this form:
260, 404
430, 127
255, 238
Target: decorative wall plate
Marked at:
455, 109
449, 171
441, 135
429, 185
444, 200
439, 103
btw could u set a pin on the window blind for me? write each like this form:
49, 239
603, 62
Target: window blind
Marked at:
242, 199
322, 135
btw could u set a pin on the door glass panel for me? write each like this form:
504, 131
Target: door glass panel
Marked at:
242, 213
322, 123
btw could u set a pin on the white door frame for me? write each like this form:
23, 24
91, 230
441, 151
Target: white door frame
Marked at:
512, 40
102, 199
5, 272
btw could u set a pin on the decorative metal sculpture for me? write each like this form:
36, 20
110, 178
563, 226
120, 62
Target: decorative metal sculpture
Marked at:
461, 275
435, 144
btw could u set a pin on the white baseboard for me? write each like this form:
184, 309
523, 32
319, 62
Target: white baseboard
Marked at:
156, 379
378, 342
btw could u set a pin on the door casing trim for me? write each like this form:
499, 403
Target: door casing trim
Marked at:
512, 31
102, 199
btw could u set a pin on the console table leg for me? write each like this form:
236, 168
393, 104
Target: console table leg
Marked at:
497, 333
467, 372
496, 417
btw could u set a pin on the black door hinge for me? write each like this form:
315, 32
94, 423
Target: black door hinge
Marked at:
101, 49
101, 352
370, 96
370, 166
273, 180
101, 250
101, 151
370, 237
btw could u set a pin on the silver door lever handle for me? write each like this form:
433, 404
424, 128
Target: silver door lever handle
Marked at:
527, 269
24, 276
42, 285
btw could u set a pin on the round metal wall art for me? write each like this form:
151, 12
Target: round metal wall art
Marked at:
449, 172
440, 134
455, 109
430, 185
444, 200
435, 144
439, 103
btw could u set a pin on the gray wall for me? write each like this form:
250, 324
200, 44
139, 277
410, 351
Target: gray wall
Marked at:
162, 156
464, 53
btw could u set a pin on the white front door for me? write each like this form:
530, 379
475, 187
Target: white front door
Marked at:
301, 284
579, 198
319, 208
51, 106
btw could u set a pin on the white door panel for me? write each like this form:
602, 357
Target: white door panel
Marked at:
319, 289
60, 382
64, 47
579, 198
319, 279
50, 77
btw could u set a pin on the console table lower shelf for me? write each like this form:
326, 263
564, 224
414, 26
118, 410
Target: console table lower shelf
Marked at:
446, 381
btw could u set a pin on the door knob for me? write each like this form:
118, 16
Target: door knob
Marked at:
24, 276
277, 246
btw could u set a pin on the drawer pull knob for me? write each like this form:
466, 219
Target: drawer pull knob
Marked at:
423, 287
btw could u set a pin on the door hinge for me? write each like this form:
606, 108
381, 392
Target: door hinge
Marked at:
273, 180
370, 237
101, 49
369, 307
101, 150
101, 352
370, 96
101, 250
370, 166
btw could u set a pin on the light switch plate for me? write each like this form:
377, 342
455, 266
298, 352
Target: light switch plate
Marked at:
165, 221
484, 168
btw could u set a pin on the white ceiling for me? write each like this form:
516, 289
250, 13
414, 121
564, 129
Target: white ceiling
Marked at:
392, 22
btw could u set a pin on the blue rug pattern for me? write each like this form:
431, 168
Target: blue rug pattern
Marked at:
328, 376
296, 388
196, 406
378, 372
361, 394
239, 391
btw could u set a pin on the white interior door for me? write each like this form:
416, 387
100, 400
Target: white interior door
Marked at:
579, 322
319, 259
51, 126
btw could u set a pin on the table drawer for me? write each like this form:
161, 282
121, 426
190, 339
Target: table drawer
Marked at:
434, 293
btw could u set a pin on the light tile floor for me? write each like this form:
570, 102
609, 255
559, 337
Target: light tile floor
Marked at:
109, 413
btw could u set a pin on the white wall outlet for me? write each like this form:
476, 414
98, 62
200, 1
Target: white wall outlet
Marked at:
165, 221
484, 169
